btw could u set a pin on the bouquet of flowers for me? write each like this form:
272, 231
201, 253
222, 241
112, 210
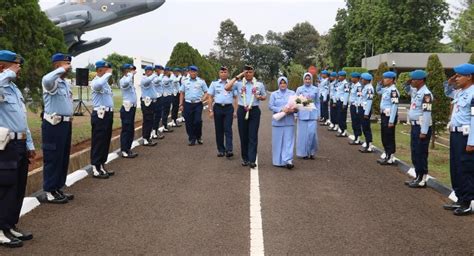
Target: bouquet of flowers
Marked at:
296, 103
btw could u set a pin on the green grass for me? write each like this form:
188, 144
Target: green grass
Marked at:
438, 159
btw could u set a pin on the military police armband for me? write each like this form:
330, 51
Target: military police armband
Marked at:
370, 94
427, 101
346, 88
394, 97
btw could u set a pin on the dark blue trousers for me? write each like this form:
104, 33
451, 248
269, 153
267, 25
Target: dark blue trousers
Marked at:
175, 107
193, 114
101, 137
356, 121
157, 113
223, 119
333, 113
461, 167
13, 176
56, 150
388, 135
365, 122
419, 150
341, 115
128, 128
324, 109
166, 109
147, 122
248, 132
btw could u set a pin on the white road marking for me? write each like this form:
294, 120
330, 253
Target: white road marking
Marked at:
256, 226
29, 203
75, 177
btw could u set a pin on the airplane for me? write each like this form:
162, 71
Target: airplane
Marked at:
75, 17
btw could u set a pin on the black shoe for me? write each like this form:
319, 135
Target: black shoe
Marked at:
365, 150
192, 143
166, 129
341, 135
69, 197
22, 235
306, 157
252, 165
417, 184
355, 142
229, 154
452, 206
463, 210
8, 240
55, 197
311, 157
128, 154
290, 166
200, 141
110, 173
245, 163
149, 143
220, 154
98, 173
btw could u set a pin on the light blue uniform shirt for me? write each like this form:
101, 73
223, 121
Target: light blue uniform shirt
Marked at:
420, 107
156, 82
324, 88
57, 94
356, 94
148, 90
278, 100
101, 91
310, 92
176, 84
260, 90
463, 111
12, 107
194, 89
221, 96
343, 89
389, 101
128, 89
367, 98
333, 90
167, 84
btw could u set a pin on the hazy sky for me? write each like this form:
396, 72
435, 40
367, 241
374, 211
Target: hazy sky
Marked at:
153, 35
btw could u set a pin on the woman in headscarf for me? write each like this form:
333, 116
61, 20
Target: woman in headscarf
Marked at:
307, 136
283, 130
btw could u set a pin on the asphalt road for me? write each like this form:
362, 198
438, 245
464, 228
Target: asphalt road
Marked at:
179, 200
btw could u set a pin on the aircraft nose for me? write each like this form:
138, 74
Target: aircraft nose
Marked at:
153, 4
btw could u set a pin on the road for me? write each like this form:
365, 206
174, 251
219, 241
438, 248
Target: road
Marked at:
179, 200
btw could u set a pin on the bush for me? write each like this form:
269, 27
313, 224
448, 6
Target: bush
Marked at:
295, 73
349, 70
402, 79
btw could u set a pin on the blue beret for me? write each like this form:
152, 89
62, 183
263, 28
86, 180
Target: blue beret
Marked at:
159, 67
464, 69
355, 74
333, 74
324, 72
418, 74
9, 56
185, 69
148, 68
177, 69
127, 66
61, 57
342, 73
193, 68
102, 64
389, 74
167, 69
366, 76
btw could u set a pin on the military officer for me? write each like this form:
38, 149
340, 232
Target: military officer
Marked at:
333, 126
222, 107
16, 147
365, 111
147, 102
167, 99
127, 111
158, 105
342, 96
175, 99
101, 119
419, 117
355, 100
56, 129
324, 91
461, 148
389, 115
251, 93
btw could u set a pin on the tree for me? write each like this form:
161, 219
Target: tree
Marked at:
462, 28
184, 55
26, 30
265, 58
295, 73
338, 40
117, 61
321, 54
231, 45
299, 43
378, 75
471, 60
441, 104
274, 38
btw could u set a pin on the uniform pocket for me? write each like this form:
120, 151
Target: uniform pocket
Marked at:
8, 171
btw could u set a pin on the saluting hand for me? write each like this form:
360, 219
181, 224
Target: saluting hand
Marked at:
66, 66
15, 68
469, 149
452, 80
422, 136
366, 117
31, 154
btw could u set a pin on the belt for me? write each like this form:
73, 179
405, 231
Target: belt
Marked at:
193, 101
414, 123
222, 105
63, 118
17, 135
455, 129
106, 109
152, 100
